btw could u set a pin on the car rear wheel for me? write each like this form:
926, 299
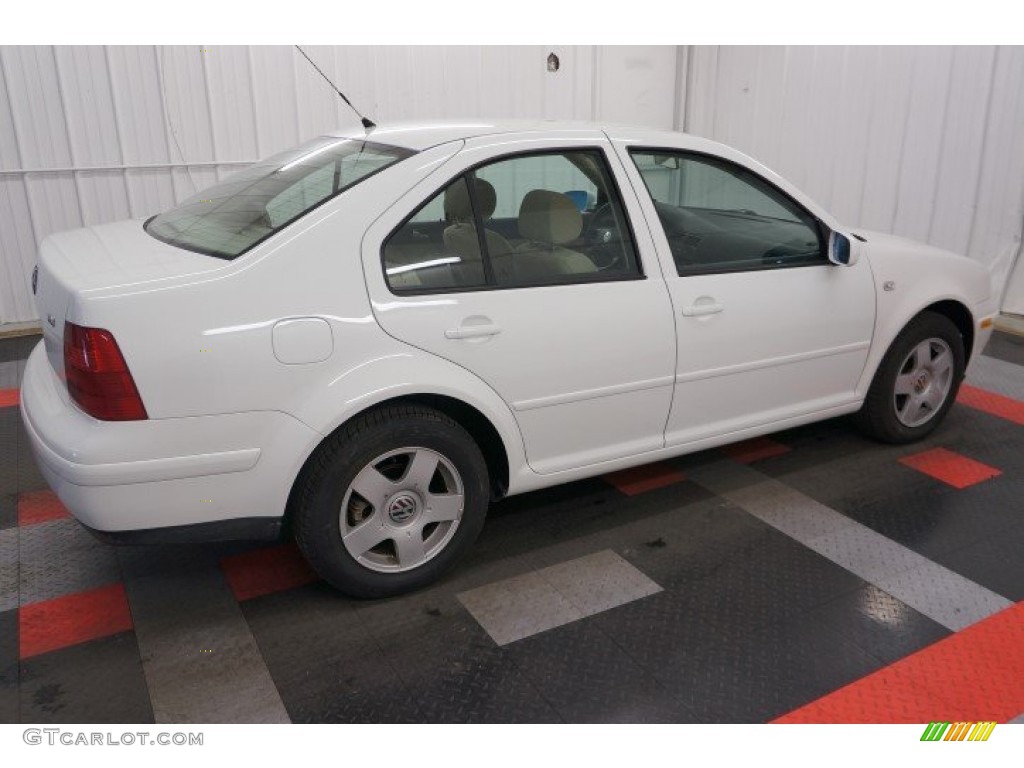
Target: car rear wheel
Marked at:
917, 381
391, 501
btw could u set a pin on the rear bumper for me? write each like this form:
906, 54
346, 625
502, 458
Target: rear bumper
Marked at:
162, 474
248, 528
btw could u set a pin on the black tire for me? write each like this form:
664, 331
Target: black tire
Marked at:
878, 418
326, 480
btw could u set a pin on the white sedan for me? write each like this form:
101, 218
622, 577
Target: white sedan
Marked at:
372, 336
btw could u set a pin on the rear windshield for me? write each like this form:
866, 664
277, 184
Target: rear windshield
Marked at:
229, 218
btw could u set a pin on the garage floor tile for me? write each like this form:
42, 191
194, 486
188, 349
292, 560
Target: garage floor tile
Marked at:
98, 682
9, 709
588, 678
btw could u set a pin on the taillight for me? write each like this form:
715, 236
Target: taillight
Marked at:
98, 377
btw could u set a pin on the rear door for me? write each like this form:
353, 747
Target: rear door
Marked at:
525, 268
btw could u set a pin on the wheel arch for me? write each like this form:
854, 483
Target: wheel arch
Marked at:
958, 313
951, 307
479, 426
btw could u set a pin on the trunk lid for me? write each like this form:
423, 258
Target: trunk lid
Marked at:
108, 257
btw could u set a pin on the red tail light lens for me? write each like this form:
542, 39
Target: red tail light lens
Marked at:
98, 377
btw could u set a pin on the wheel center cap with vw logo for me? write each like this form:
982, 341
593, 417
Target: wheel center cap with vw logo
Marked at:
923, 380
403, 508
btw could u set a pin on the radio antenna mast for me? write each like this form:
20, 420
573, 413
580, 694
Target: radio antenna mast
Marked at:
367, 122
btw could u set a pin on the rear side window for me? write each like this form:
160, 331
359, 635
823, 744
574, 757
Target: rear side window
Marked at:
231, 217
546, 218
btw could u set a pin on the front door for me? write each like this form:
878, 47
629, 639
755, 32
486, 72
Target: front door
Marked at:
769, 329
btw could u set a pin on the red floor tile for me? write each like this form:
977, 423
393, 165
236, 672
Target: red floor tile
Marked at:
951, 468
756, 449
972, 675
9, 398
265, 571
990, 402
39, 507
649, 477
73, 619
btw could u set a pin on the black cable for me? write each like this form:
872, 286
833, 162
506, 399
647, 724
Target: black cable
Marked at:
367, 122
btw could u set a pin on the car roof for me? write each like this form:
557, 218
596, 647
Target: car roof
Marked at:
423, 135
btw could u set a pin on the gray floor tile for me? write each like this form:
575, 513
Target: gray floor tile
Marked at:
9, 374
9, 568
518, 607
59, 558
997, 376
199, 656
789, 511
525, 605
599, 582
943, 596
866, 553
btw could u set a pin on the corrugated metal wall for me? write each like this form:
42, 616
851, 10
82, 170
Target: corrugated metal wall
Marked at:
93, 134
926, 142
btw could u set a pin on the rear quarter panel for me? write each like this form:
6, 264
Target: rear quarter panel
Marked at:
204, 346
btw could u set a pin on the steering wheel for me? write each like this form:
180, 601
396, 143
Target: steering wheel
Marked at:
603, 239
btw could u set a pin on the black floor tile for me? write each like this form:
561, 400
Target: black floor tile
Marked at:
1006, 346
9, 436
521, 525
945, 519
454, 671
18, 348
995, 561
816, 445
97, 682
326, 666
458, 675
587, 678
8, 509
755, 576
733, 671
9, 667
878, 623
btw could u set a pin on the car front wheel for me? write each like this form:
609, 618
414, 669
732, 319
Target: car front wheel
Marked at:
391, 501
917, 381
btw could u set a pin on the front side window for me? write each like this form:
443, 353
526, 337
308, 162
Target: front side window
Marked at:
539, 219
721, 217
231, 217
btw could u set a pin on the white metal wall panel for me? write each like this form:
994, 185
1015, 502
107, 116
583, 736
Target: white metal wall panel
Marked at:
635, 84
926, 142
998, 223
132, 129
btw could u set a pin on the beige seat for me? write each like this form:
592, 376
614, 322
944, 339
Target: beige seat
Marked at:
547, 220
460, 236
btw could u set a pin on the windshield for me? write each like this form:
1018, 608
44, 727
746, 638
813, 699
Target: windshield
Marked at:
231, 217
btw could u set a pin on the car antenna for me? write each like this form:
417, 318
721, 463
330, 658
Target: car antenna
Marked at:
368, 124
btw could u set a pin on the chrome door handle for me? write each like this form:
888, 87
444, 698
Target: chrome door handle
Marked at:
696, 310
472, 332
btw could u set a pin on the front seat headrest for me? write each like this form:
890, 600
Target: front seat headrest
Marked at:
549, 217
457, 206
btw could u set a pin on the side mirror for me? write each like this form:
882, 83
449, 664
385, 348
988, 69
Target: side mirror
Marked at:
840, 250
